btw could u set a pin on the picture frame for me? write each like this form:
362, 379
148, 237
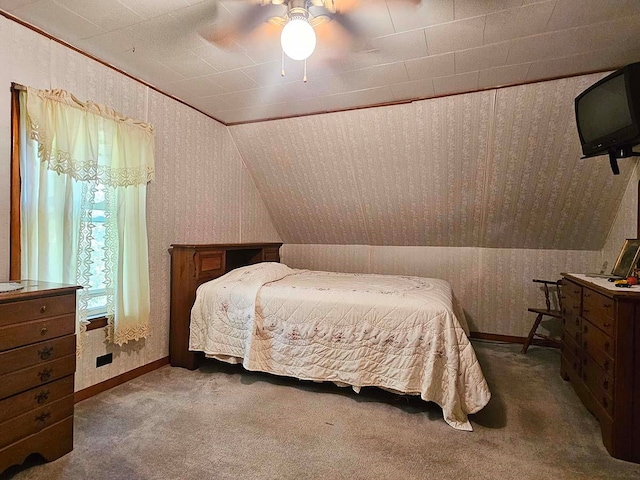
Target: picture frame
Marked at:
628, 258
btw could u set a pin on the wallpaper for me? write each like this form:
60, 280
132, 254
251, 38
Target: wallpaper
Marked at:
495, 169
493, 285
540, 193
625, 224
202, 191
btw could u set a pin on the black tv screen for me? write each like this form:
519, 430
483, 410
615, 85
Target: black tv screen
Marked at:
604, 110
608, 112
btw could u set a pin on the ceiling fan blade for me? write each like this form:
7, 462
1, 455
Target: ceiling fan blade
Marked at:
253, 17
351, 25
345, 6
334, 39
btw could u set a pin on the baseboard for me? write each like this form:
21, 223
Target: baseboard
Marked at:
119, 380
494, 337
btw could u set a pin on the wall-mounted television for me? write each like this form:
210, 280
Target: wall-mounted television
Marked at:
608, 115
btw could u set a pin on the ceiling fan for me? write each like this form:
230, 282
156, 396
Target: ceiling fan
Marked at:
300, 24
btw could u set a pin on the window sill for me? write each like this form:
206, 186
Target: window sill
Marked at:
96, 322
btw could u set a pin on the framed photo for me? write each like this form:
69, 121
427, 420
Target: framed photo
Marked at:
628, 258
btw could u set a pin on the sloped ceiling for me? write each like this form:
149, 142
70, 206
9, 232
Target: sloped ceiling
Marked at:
499, 168
409, 52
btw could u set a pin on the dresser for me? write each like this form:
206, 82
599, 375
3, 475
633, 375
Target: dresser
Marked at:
601, 357
37, 365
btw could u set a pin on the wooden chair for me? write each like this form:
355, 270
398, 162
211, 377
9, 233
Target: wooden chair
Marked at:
549, 311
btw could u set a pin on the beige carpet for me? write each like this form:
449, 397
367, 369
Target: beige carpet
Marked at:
222, 422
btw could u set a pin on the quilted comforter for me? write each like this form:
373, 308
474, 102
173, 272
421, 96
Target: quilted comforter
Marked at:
400, 333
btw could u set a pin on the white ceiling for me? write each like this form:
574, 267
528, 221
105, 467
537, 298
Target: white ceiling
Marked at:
438, 48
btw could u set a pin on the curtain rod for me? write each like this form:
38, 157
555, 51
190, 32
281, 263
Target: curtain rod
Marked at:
17, 86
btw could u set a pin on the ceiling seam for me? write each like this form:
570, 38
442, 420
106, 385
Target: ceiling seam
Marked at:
354, 179
489, 153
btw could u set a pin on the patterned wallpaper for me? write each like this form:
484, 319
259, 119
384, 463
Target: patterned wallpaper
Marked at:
625, 224
498, 169
493, 285
202, 191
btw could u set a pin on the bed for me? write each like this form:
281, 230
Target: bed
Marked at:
401, 333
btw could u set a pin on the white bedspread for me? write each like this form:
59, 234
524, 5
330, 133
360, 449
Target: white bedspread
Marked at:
396, 332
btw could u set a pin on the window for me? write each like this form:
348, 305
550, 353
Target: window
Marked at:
79, 177
97, 301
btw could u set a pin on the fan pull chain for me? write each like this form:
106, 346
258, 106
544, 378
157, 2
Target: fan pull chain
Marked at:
304, 78
282, 71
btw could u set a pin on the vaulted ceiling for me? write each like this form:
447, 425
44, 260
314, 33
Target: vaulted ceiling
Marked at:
437, 48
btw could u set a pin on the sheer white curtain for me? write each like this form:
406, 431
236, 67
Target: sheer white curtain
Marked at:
73, 155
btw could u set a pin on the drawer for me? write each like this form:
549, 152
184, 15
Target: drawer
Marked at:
271, 255
21, 380
41, 352
572, 325
36, 397
570, 366
599, 383
36, 420
209, 264
38, 308
570, 289
571, 346
599, 310
570, 305
51, 442
598, 345
25, 333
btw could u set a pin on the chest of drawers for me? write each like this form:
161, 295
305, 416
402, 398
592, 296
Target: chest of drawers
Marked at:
601, 358
37, 365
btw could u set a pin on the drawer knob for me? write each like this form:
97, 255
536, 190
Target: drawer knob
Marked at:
606, 365
43, 417
44, 330
607, 305
42, 397
606, 345
604, 402
45, 374
577, 321
605, 384
43, 308
45, 352
585, 310
585, 329
606, 325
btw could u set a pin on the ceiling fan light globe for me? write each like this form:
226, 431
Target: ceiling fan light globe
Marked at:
298, 39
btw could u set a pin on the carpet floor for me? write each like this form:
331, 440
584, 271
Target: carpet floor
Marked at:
221, 422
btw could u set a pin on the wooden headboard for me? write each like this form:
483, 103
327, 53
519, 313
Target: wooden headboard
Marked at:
191, 266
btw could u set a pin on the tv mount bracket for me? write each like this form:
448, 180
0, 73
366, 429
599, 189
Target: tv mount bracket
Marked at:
617, 153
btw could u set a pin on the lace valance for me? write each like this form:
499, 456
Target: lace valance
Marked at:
88, 141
